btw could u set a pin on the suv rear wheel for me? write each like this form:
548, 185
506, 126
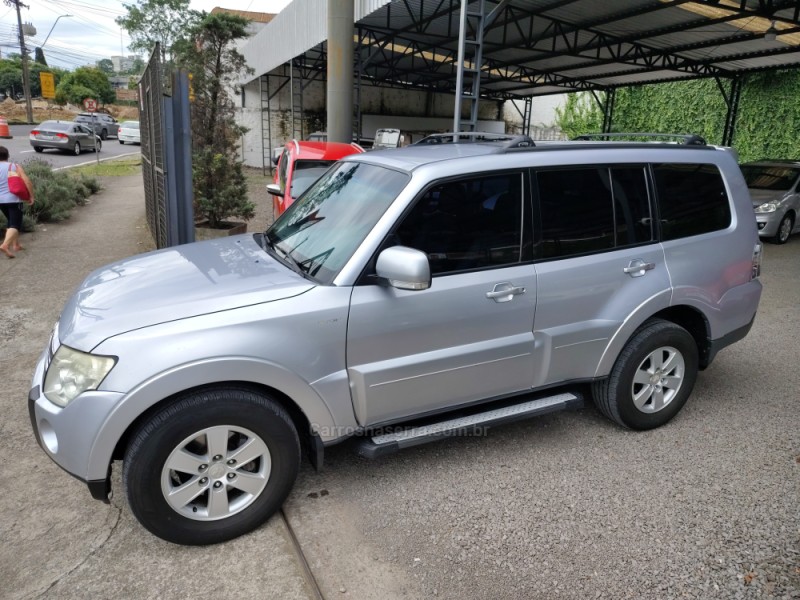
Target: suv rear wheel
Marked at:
652, 377
212, 466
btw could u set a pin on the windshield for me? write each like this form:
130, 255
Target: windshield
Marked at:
321, 231
759, 177
305, 173
130, 125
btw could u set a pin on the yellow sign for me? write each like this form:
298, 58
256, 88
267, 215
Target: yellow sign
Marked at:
48, 85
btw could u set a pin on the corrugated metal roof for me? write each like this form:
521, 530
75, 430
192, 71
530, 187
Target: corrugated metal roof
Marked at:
536, 47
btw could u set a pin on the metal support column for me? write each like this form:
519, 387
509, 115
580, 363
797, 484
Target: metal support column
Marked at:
357, 99
266, 124
608, 110
526, 116
296, 85
341, 17
732, 100
470, 47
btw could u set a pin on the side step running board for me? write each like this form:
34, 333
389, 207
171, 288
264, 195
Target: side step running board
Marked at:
406, 436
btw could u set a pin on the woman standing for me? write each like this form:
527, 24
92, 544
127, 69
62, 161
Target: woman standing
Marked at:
11, 205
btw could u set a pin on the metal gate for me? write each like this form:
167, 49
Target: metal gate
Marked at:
166, 154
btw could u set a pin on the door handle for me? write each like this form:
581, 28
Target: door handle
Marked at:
637, 268
504, 292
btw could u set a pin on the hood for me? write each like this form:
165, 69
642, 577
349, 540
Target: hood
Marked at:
761, 196
174, 283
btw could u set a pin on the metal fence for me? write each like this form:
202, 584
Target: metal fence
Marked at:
166, 154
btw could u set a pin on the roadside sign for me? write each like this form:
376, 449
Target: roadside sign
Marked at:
48, 82
90, 104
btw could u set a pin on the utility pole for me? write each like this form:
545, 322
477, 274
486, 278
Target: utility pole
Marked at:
26, 80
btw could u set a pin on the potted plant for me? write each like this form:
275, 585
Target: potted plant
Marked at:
221, 202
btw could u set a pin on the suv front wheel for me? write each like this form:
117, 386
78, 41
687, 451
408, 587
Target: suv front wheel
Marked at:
211, 466
652, 377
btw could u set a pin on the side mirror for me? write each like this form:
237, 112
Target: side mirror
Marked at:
404, 268
274, 189
275, 160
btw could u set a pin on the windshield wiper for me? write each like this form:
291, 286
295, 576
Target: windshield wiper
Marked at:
285, 256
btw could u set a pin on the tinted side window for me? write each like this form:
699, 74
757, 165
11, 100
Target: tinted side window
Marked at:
467, 224
591, 209
576, 211
632, 219
691, 200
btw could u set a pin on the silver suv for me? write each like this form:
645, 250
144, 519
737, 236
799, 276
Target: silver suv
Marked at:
408, 295
104, 124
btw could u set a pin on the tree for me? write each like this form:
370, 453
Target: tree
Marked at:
10, 77
220, 189
39, 56
84, 82
137, 68
151, 21
579, 115
106, 66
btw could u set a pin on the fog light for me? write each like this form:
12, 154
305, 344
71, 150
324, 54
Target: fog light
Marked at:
49, 437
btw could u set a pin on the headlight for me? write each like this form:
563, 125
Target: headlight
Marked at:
72, 372
767, 207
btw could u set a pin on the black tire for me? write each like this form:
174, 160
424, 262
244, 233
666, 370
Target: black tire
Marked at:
98, 145
104, 135
121, 142
657, 338
784, 229
155, 442
76, 149
38, 149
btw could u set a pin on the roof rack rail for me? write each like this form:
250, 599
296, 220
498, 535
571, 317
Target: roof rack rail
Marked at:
689, 139
474, 137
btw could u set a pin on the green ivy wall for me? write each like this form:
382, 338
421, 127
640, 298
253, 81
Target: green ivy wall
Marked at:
768, 123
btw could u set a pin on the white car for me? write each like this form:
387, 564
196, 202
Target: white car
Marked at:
129, 132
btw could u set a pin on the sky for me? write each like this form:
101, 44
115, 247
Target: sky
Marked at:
91, 33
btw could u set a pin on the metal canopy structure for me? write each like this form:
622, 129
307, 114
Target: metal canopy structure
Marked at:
517, 49
539, 47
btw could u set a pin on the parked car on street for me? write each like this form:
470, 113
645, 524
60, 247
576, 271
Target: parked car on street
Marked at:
300, 164
104, 124
66, 136
407, 295
129, 132
775, 188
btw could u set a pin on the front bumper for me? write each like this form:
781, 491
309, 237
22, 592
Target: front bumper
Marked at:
67, 434
768, 223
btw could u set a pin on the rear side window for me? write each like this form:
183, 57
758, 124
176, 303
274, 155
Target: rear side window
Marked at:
691, 200
592, 209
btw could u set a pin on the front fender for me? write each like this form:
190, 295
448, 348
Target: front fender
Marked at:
242, 369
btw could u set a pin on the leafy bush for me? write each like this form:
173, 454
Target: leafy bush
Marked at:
57, 193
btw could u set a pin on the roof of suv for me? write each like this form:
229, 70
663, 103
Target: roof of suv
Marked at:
409, 158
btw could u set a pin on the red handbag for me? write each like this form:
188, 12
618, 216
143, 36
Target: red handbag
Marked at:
16, 185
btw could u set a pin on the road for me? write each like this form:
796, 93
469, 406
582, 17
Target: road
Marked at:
21, 150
